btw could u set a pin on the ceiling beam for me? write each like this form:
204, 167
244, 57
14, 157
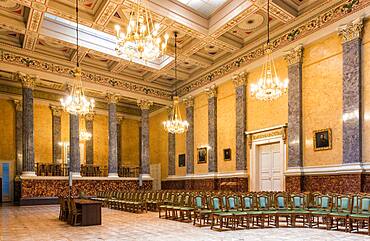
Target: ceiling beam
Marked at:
35, 17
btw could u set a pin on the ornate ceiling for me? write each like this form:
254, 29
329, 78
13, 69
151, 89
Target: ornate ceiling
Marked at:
214, 39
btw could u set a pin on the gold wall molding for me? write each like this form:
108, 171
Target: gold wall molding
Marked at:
144, 104
313, 24
112, 98
90, 116
18, 105
56, 110
267, 133
295, 55
211, 91
351, 31
240, 79
189, 101
26, 80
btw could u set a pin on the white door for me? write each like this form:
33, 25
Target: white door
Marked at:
270, 163
155, 173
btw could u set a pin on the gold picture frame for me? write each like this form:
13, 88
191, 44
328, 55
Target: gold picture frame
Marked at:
322, 139
202, 155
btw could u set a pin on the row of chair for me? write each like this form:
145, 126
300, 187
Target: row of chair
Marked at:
229, 210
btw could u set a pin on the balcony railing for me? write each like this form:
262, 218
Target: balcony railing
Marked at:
47, 169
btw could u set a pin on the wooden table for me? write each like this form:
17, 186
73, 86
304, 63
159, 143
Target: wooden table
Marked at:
91, 211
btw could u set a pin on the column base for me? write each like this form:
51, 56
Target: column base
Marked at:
113, 175
28, 174
76, 174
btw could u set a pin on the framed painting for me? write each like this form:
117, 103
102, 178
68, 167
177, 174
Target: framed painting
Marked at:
322, 140
181, 160
202, 155
227, 154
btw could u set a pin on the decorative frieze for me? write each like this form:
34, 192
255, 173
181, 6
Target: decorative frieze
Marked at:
294, 56
351, 31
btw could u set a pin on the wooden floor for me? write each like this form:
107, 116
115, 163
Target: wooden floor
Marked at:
41, 223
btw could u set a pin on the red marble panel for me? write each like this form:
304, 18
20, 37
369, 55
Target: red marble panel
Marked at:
32, 188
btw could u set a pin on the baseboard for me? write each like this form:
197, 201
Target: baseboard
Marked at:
38, 201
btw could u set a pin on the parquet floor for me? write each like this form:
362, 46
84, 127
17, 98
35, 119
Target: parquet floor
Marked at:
41, 223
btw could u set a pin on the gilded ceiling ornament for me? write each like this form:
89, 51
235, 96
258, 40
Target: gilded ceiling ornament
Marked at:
26, 80
112, 98
18, 105
211, 91
144, 104
351, 31
240, 79
56, 110
189, 101
295, 55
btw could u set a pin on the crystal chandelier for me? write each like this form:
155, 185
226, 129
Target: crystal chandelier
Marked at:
269, 87
175, 124
76, 103
84, 134
141, 39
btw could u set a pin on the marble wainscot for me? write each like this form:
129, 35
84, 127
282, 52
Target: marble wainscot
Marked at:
46, 190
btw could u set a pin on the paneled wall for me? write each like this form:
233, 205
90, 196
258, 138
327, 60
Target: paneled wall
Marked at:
7, 130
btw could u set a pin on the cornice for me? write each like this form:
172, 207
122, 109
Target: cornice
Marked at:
304, 29
17, 56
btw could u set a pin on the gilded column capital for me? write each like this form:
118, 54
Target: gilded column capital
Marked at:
111, 97
119, 118
211, 91
295, 55
240, 79
26, 80
18, 105
189, 101
56, 110
352, 30
144, 104
90, 116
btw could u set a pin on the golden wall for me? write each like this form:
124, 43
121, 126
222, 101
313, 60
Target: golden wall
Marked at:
158, 142
100, 140
366, 94
43, 136
226, 126
200, 130
322, 98
180, 146
7, 130
130, 142
262, 114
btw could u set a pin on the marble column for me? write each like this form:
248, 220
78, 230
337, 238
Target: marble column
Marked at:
119, 119
28, 146
145, 160
240, 81
171, 149
18, 135
74, 146
56, 112
295, 140
112, 155
189, 148
89, 123
212, 128
352, 114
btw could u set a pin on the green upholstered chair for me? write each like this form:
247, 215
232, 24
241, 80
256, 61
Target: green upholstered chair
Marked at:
360, 216
320, 211
167, 205
341, 209
186, 208
300, 211
201, 211
282, 207
220, 217
268, 211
